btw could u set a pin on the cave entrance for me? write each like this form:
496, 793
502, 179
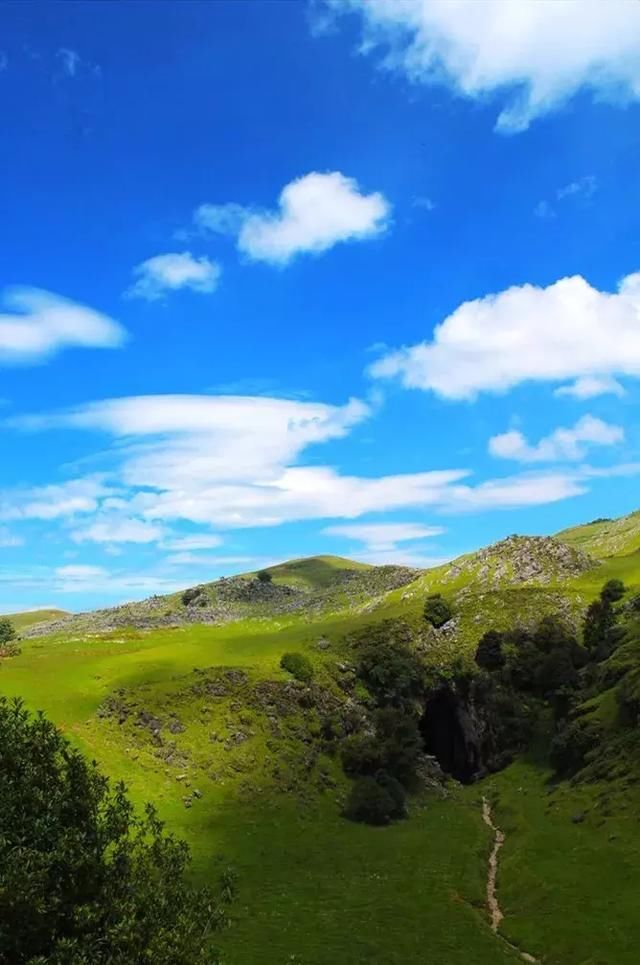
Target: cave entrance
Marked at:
444, 736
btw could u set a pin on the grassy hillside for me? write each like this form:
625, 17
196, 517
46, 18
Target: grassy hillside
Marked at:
189, 705
21, 621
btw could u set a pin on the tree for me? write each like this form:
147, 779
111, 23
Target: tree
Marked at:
375, 802
297, 665
437, 611
489, 653
612, 591
392, 672
84, 879
598, 620
7, 631
264, 576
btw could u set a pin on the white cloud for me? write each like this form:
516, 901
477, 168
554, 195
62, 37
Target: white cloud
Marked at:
580, 191
515, 492
381, 535
525, 333
55, 501
38, 324
70, 60
9, 540
315, 212
583, 188
172, 271
119, 530
79, 573
561, 444
234, 462
532, 56
198, 559
197, 541
590, 386
381, 542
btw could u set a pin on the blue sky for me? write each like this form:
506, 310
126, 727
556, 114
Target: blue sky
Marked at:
299, 278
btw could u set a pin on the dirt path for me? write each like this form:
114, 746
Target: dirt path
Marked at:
492, 900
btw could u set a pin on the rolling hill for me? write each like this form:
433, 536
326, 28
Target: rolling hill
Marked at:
184, 698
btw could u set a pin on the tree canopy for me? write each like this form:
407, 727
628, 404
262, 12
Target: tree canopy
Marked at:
84, 879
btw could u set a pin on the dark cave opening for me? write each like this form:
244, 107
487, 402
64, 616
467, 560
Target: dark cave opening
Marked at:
443, 730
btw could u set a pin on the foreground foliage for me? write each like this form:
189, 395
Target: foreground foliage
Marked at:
83, 879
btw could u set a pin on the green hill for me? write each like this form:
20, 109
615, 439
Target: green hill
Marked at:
30, 617
184, 698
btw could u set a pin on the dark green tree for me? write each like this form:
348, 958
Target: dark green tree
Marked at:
374, 802
84, 879
264, 576
612, 591
437, 611
489, 654
7, 631
391, 671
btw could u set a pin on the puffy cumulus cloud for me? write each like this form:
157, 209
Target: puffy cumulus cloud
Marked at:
56, 501
315, 212
108, 529
36, 324
568, 330
532, 56
561, 444
172, 271
590, 386
380, 542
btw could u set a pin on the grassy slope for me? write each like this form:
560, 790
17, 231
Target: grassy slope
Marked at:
26, 619
315, 889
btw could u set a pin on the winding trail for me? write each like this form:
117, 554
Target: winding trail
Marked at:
493, 905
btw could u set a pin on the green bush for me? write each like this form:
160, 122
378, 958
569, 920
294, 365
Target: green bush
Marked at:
264, 576
375, 802
7, 631
83, 878
489, 653
571, 745
612, 591
437, 611
297, 665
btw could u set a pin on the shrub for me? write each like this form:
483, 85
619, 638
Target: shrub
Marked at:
598, 619
437, 611
571, 745
264, 576
489, 653
612, 591
83, 878
7, 631
374, 802
552, 633
297, 665
361, 755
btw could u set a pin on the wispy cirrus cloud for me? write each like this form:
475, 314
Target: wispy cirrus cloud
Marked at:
37, 324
